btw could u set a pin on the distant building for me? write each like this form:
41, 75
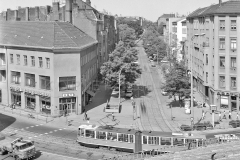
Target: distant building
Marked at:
213, 53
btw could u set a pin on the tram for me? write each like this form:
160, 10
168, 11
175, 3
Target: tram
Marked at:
131, 140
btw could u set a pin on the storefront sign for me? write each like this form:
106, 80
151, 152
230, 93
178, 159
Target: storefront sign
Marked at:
16, 89
36, 93
68, 95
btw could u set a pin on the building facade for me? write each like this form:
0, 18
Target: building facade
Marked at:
46, 67
212, 51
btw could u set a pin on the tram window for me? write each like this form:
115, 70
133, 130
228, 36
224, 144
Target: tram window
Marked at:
101, 135
153, 140
90, 134
81, 132
120, 137
178, 141
165, 141
131, 138
125, 138
112, 136
144, 139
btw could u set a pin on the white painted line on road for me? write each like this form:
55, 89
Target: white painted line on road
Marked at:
35, 136
51, 132
40, 134
15, 130
45, 133
55, 130
60, 129
22, 129
61, 155
27, 127
64, 128
32, 126
29, 137
41, 124
36, 125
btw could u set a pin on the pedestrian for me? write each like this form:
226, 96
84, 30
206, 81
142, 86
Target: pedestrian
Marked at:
224, 115
230, 115
220, 116
237, 116
202, 114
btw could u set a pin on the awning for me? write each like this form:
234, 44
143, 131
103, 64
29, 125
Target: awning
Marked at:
224, 100
90, 92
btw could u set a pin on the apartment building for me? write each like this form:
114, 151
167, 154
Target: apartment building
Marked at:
213, 52
46, 67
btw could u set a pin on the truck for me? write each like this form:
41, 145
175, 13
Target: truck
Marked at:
18, 148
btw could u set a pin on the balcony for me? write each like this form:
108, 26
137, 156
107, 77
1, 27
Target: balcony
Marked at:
205, 44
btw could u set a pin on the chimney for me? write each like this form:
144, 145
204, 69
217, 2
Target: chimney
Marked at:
220, 2
55, 10
68, 11
88, 2
27, 13
15, 14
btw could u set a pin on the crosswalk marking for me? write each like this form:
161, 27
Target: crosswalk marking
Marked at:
45, 133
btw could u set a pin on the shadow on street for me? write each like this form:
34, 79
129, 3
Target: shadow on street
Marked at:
6, 121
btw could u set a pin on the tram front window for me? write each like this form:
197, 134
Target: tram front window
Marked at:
101, 135
90, 134
112, 136
153, 140
165, 141
144, 139
131, 138
178, 141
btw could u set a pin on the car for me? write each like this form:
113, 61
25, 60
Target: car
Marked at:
129, 93
153, 65
115, 91
164, 93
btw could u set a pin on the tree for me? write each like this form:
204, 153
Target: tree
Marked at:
127, 35
121, 57
176, 80
160, 28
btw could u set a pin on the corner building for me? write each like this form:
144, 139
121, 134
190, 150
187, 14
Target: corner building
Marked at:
45, 67
213, 50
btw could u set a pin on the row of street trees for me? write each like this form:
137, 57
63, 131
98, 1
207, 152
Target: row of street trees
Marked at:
122, 60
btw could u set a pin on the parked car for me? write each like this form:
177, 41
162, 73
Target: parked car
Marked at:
115, 91
185, 127
164, 93
203, 126
129, 93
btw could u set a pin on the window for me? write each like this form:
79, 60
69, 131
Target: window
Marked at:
153, 140
233, 44
233, 24
90, 134
30, 101
2, 59
222, 43
33, 61
30, 80
11, 58
222, 25
233, 82
15, 77
222, 62
48, 62
40, 62
233, 62
101, 135
206, 77
67, 83
206, 59
222, 81
45, 82
2, 75
144, 139
165, 141
18, 59
112, 136
25, 60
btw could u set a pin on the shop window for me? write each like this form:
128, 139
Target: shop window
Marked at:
15, 77
11, 58
16, 98
25, 60
29, 80
30, 101
33, 61
233, 24
101, 135
45, 105
67, 83
45, 82
112, 136
222, 62
40, 62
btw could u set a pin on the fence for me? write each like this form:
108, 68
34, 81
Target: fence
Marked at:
157, 152
27, 113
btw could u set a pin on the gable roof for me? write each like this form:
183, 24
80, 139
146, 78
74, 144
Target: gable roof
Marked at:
40, 34
167, 16
228, 7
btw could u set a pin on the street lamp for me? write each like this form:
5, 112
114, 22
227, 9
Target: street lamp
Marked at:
119, 79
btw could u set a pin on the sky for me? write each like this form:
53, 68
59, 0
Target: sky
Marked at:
149, 9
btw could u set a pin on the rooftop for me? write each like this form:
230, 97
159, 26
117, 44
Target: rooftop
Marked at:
40, 34
167, 16
228, 7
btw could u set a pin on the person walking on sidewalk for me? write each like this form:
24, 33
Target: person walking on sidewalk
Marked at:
237, 115
220, 116
230, 115
224, 115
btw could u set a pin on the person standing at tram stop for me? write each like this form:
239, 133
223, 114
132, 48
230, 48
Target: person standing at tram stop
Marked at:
220, 116
230, 115
224, 115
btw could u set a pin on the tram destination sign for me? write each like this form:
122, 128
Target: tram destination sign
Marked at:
68, 95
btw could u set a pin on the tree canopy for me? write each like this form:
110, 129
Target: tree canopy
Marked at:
121, 58
127, 35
